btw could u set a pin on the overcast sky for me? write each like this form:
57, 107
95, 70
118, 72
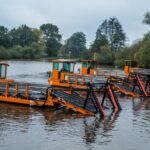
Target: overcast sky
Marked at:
76, 15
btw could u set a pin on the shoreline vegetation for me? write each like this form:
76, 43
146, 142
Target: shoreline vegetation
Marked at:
108, 48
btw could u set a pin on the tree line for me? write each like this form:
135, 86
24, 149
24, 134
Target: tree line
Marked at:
108, 47
138, 51
46, 41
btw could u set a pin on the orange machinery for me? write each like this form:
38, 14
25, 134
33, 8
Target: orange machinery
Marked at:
71, 72
45, 96
65, 74
88, 67
3, 73
130, 67
19, 93
132, 84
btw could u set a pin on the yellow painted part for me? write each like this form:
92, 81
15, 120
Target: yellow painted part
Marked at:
80, 110
125, 91
24, 101
131, 70
6, 81
57, 83
55, 74
97, 72
84, 71
62, 76
6, 90
126, 69
16, 89
91, 71
67, 85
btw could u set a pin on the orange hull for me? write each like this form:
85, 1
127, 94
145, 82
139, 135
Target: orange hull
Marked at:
29, 102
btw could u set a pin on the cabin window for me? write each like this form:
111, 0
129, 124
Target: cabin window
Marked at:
67, 66
55, 66
91, 65
60, 66
133, 64
71, 67
84, 65
2, 71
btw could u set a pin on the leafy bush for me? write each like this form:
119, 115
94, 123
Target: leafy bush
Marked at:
4, 53
105, 56
34, 51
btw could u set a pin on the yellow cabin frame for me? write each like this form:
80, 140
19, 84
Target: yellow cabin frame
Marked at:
63, 70
130, 66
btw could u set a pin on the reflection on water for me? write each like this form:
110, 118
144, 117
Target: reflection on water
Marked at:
141, 120
97, 124
43, 129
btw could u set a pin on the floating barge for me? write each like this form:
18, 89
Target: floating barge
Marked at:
54, 97
65, 88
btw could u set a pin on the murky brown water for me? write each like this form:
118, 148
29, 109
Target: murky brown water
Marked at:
23, 128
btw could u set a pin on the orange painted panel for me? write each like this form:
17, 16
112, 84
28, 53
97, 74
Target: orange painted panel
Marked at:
91, 71
84, 71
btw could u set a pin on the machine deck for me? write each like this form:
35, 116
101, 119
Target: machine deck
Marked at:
76, 101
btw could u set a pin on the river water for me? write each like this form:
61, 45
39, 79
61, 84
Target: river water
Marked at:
26, 128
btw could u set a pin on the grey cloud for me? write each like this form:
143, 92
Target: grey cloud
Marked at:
76, 15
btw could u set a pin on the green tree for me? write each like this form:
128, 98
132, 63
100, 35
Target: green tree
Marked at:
16, 52
37, 34
34, 51
116, 36
101, 38
146, 19
128, 53
23, 36
76, 44
4, 53
4, 37
143, 52
105, 56
52, 38
110, 33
